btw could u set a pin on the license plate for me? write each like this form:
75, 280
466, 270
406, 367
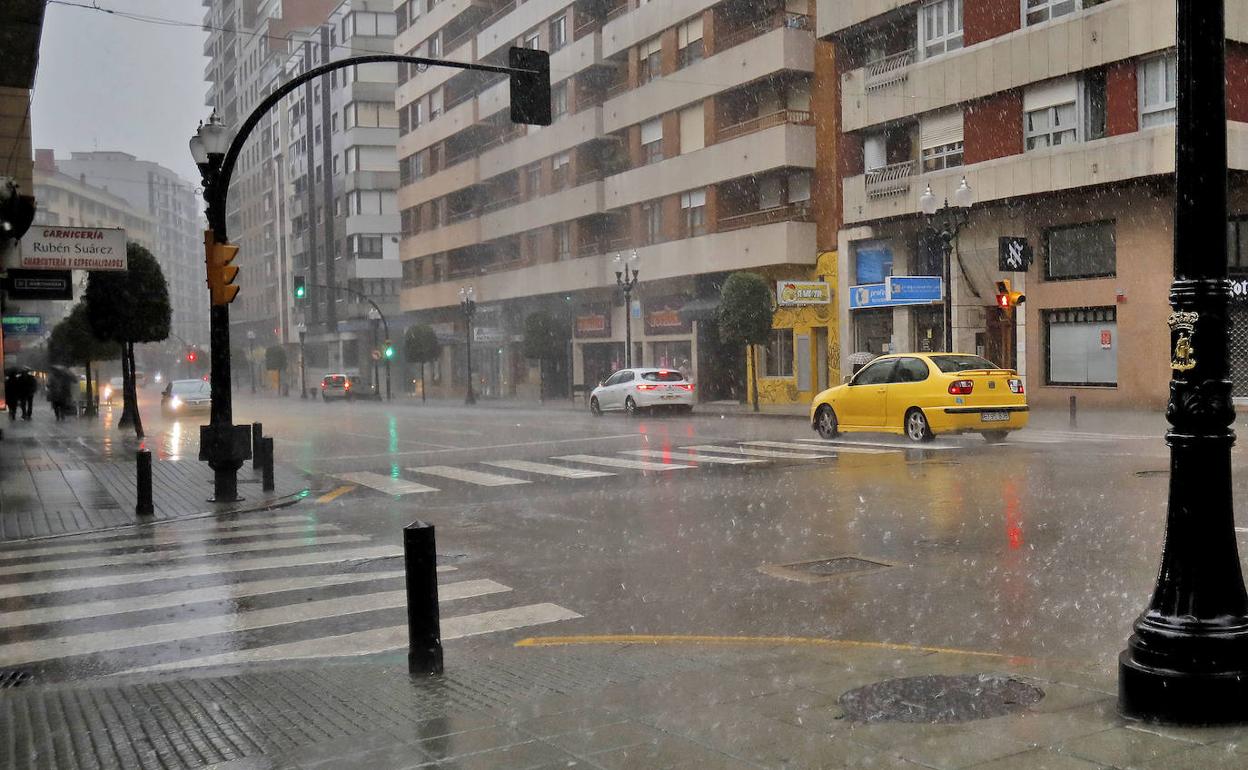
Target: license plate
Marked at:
994, 416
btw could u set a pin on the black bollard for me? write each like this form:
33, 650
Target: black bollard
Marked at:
424, 655
1074, 422
143, 471
266, 470
257, 433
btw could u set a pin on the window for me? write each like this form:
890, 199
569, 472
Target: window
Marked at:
799, 186
533, 180
693, 206
533, 41
876, 373
910, 370
435, 104
562, 168
651, 64
1051, 114
1081, 346
652, 141
559, 100
1158, 83
317, 133
652, 221
1237, 245
1042, 10
778, 354
770, 193
337, 164
563, 241
941, 139
689, 41
1080, 251
692, 129
434, 46
367, 246
949, 364
1095, 102
558, 33
940, 27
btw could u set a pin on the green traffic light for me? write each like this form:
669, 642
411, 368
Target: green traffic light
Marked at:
389, 351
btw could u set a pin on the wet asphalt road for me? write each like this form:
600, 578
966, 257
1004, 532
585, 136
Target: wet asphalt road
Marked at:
1043, 547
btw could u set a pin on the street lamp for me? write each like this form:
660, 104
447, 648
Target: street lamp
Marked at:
303, 387
1187, 661
251, 358
374, 315
626, 279
468, 305
944, 222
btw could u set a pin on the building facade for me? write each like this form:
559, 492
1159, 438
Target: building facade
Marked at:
683, 145
1059, 117
174, 205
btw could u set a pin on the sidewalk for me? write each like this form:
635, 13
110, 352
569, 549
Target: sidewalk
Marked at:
79, 475
652, 702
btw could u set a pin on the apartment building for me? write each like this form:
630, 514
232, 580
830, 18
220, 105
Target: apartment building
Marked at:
341, 218
174, 205
1058, 114
683, 144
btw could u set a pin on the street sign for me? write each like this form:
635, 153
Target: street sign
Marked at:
39, 284
22, 324
897, 290
794, 293
376, 355
72, 248
1013, 254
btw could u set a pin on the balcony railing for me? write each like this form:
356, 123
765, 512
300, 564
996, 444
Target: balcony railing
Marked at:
460, 39
505, 9
615, 89
618, 10
763, 122
500, 203
763, 26
888, 71
459, 216
792, 212
587, 27
887, 181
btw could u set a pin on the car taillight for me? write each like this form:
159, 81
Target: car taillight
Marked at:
1016, 386
324, 385
961, 387
644, 386
685, 385
347, 385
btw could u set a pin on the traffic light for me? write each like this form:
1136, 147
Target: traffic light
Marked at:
221, 273
388, 351
1007, 298
191, 356
17, 211
301, 289
530, 88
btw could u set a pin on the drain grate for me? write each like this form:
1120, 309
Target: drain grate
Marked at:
14, 677
824, 569
939, 699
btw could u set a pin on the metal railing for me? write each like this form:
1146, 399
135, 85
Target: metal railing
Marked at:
888, 71
501, 203
619, 10
761, 27
763, 122
894, 179
503, 10
456, 217
587, 27
460, 39
792, 212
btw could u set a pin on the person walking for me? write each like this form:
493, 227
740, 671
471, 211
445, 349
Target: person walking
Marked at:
60, 391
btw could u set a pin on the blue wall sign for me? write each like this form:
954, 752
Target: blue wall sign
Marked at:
897, 290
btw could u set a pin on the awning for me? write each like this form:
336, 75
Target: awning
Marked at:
701, 309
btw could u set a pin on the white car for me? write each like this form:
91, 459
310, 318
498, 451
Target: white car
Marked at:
632, 390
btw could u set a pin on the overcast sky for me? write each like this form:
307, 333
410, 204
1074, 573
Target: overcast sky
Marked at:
111, 83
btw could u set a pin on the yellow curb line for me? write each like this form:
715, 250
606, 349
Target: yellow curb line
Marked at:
329, 497
561, 641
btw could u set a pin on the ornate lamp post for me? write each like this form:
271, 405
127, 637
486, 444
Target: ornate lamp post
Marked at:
251, 357
626, 279
468, 304
944, 222
1187, 661
303, 333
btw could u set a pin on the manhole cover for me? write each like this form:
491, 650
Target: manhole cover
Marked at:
824, 569
1151, 474
939, 699
13, 677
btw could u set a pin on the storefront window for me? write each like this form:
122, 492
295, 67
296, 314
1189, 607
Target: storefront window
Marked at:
778, 354
1081, 346
1080, 251
673, 355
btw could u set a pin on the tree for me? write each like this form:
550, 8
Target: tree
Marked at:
745, 316
420, 346
129, 306
275, 361
545, 339
73, 343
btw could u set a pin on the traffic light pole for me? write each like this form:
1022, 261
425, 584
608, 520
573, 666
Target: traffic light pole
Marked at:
385, 325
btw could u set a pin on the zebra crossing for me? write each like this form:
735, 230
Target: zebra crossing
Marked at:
199, 593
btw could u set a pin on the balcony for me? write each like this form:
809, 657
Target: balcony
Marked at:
627, 25
891, 180
764, 122
750, 31
564, 134
562, 206
888, 71
505, 27
792, 212
439, 129
447, 238
840, 15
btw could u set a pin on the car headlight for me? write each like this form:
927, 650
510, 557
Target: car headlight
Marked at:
175, 403
108, 393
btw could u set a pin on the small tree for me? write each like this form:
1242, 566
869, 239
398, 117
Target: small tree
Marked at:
73, 343
745, 317
275, 361
420, 346
129, 306
545, 339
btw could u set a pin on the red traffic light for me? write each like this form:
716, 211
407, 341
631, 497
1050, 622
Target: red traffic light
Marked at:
192, 357
1003, 301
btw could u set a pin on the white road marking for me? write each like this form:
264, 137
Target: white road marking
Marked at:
163, 529
386, 484
21, 653
620, 462
807, 447
218, 593
692, 457
160, 541
381, 639
490, 446
146, 574
79, 562
811, 454
547, 469
469, 476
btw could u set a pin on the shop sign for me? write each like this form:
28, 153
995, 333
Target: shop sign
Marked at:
72, 248
1107, 339
663, 316
593, 321
897, 290
22, 324
1239, 290
794, 293
39, 284
488, 334
1013, 254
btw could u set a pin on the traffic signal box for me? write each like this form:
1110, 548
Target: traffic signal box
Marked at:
387, 352
1007, 298
221, 273
301, 289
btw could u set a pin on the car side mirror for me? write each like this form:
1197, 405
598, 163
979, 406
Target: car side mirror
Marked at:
600, 383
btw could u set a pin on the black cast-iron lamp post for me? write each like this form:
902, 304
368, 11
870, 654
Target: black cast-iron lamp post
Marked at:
1187, 662
626, 279
944, 222
374, 317
468, 304
303, 333
251, 357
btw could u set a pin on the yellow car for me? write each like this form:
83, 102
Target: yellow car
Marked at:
919, 395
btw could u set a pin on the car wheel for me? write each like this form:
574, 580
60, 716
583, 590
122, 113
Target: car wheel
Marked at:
630, 407
917, 429
594, 409
825, 422
995, 436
